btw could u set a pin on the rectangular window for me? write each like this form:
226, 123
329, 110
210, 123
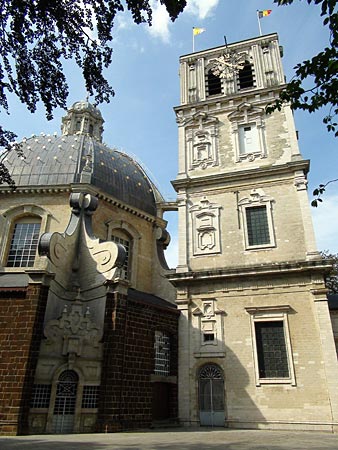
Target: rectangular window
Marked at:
257, 225
90, 396
248, 139
41, 395
23, 245
162, 353
126, 244
208, 337
271, 350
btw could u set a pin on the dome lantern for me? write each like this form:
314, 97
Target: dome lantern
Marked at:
83, 118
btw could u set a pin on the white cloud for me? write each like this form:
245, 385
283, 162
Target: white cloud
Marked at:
201, 8
325, 220
160, 26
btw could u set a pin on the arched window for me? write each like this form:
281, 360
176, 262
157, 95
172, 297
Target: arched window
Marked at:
24, 242
120, 237
65, 402
245, 76
214, 84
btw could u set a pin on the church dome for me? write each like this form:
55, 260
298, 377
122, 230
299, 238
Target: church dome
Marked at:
78, 156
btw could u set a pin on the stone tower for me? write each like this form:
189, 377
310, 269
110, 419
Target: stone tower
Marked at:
250, 288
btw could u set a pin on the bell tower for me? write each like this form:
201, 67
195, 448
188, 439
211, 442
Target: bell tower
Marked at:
248, 262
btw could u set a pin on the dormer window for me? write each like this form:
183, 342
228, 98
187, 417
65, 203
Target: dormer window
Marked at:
246, 76
125, 241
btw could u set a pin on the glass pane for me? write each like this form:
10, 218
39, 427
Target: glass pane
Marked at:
271, 350
218, 395
23, 246
257, 225
205, 395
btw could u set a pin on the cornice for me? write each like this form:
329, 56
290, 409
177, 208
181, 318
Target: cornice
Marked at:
243, 175
268, 269
76, 187
223, 102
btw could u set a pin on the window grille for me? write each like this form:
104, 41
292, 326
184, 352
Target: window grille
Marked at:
162, 353
41, 396
23, 246
66, 390
257, 225
90, 396
214, 84
126, 244
271, 350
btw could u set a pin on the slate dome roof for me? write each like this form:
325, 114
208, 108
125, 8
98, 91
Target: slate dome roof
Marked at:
79, 156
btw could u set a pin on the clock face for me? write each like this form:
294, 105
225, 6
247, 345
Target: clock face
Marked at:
229, 63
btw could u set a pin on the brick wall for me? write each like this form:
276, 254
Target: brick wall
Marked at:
21, 328
126, 397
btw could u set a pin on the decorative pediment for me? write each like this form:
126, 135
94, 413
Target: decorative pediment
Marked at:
246, 112
201, 119
256, 196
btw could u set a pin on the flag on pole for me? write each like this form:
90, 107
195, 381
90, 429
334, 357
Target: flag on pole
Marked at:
197, 31
264, 13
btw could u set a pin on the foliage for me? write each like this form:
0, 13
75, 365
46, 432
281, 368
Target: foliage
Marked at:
37, 36
321, 72
331, 280
319, 191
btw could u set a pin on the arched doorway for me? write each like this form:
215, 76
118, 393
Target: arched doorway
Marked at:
65, 402
211, 396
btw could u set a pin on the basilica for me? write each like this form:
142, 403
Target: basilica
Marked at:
99, 335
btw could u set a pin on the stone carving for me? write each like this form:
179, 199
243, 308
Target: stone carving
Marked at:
300, 181
228, 64
73, 330
79, 260
205, 226
202, 141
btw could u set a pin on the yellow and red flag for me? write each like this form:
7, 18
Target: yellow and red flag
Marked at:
264, 13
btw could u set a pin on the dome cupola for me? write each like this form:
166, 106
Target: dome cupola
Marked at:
83, 118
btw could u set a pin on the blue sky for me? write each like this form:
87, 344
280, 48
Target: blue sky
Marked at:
144, 73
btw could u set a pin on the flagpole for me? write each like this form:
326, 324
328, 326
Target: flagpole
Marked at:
259, 23
193, 40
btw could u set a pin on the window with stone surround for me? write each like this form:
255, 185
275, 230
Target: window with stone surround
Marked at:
21, 227
271, 345
248, 132
125, 269
257, 220
162, 353
24, 242
124, 233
